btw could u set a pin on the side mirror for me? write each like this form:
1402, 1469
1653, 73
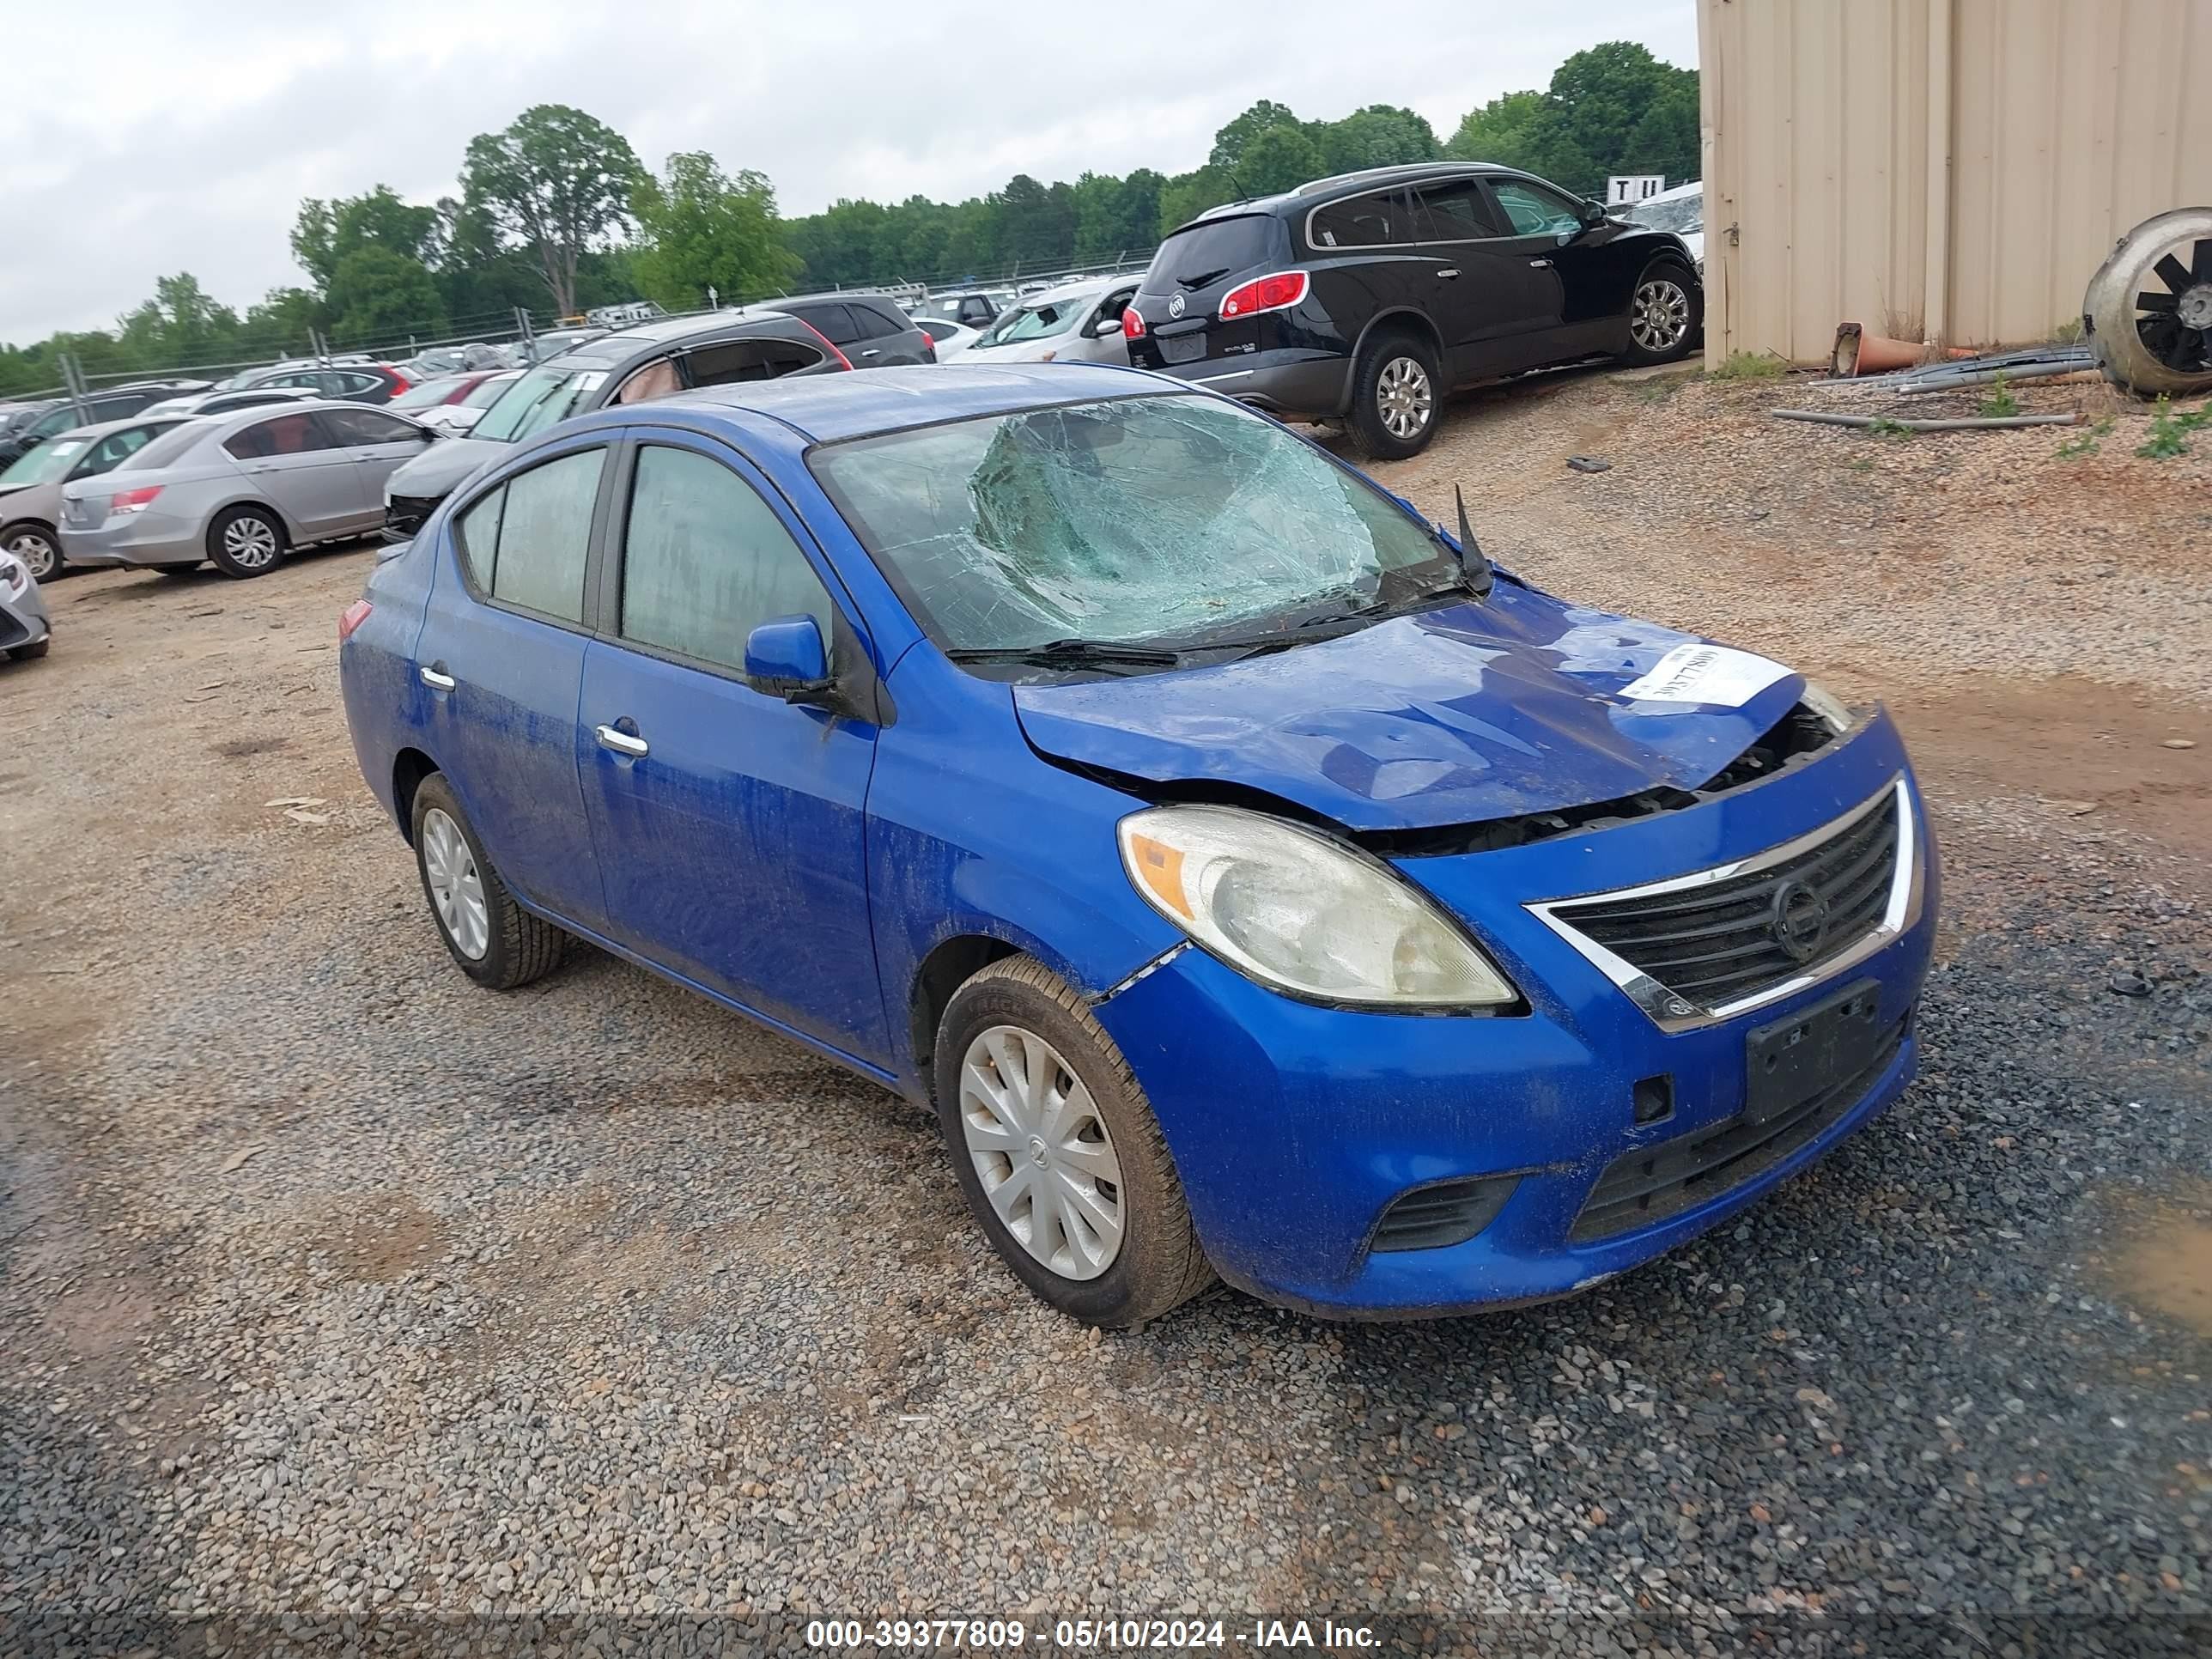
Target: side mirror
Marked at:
1593, 214
787, 657
428, 435
1104, 328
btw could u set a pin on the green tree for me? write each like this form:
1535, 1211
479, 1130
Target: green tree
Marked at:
1187, 195
1379, 135
557, 181
378, 295
701, 228
325, 231
1278, 159
181, 323
1613, 108
1502, 131
1234, 141
283, 324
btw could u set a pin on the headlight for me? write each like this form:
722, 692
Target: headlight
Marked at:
1303, 913
1828, 706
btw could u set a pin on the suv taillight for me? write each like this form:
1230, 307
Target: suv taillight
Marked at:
1131, 324
1278, 292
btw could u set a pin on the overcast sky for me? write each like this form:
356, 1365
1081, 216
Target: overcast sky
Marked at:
143, 138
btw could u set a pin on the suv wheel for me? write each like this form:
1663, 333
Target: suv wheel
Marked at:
1664, 313
1395, 396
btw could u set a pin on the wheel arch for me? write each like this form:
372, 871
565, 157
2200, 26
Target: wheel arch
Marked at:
409, 767
949, 964
1402, 319
259, 504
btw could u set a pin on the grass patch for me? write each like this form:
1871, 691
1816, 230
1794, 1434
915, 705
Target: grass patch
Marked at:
1661, 388
1998, 402
1883, 427
1750, 366
2170, 430
2065, 331
2087, 443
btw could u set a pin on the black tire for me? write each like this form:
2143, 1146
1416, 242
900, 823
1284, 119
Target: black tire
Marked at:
1671, 273
1160, 1264
32, 653
520, 947
25, 534
233, 526
1380, 371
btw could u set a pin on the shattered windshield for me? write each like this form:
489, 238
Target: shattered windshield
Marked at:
1169, 518
1681, 213
1034, 321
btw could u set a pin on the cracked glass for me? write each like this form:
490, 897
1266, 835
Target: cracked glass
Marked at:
1136, 519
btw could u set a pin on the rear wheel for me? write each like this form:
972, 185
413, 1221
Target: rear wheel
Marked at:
36, 546
496, 942
1395, 396
245, 542
1058, 1152
1663, 313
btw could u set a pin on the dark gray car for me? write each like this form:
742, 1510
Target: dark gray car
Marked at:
655, 359
870, 329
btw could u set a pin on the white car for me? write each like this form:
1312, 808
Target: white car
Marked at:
1077, 322
458, 417
1682, 210
950, 339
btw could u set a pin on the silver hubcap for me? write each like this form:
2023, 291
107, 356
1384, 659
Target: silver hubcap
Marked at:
456, 889
2195, 308
36, 552
1404, 396
1662, 315
251, 543
1041, 1151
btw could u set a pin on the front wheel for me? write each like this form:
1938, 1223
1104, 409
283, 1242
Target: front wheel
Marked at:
1058, 1152
1663, 314
35, 544
245, 542
496, 941
1395, 396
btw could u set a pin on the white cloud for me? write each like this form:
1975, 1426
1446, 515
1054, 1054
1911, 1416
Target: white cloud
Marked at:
150, 138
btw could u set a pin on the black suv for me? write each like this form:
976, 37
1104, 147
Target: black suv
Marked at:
1367, 297
870, 329
24, 432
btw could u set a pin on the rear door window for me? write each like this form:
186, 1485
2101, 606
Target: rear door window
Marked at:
366, 426
1205, 252
705, 560
1457, 211
538, 535
1381, 218
834, 321
876, 322
286, 434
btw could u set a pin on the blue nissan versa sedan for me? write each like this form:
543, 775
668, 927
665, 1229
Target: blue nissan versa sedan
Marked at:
1258, 884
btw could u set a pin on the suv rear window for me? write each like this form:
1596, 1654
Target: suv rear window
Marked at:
1209, 250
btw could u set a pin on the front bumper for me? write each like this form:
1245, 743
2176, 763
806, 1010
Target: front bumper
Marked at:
22, 618
1294, 1128
1291, 381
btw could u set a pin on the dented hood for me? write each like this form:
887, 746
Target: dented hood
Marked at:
1458, 715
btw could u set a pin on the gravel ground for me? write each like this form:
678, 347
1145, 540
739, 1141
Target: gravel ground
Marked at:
331, 1286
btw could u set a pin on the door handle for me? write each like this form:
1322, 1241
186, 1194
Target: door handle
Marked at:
1454, 272
1540, 264
435, 677
870, 352
622, 743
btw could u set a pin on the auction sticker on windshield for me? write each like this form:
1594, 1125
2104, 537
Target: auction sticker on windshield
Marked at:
1712, 675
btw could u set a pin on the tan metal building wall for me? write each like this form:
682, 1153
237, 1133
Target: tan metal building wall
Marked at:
1940, 169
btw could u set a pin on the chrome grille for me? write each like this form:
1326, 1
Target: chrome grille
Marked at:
1718, 942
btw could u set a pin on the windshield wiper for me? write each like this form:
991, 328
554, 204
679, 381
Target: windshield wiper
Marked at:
1203, 277
1076, 654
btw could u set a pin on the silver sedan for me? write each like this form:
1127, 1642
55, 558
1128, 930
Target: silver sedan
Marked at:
241, 489
24, 630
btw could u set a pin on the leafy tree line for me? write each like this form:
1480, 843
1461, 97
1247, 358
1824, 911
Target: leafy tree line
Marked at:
556, 214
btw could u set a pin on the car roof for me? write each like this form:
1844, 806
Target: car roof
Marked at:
648, 340
235, 419
100, 429
1081, 289
1313, 192
829, 408
782, 300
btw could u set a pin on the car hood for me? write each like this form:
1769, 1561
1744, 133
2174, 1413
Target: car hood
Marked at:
1041, 350
1458, 715
438, 471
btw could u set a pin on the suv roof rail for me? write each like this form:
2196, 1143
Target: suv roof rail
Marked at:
1403, 169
